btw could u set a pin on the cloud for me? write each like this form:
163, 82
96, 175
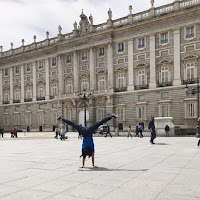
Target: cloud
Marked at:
24, 18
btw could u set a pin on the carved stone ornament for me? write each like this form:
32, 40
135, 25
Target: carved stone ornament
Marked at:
84, 25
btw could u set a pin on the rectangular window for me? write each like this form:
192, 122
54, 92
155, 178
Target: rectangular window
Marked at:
120, 47
164, 110
100, 114
190, 110
53, 61
121, 81
54, 117
164, 38
84, 85
190, 32
84, 55
141, 112
28, 67
190, 70
6, 72
164, 74
141, 43
141, 77
69, 87
41, 64
28, 119
16, 119
17, 70
120, 112
102, 83
69, 59
101, 51
6, 119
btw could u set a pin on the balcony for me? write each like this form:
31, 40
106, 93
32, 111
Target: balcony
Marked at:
16, 101
52, 97
40, 98
121, 89
6, 102
189, 81
191, 35
28, 100
165, 84
141, 87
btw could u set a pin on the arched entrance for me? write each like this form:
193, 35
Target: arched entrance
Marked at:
82, 116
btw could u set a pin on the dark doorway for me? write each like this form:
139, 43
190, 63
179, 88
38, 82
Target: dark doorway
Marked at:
28, 128
40, 128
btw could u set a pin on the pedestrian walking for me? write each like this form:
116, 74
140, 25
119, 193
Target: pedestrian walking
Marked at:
129, 132
15, 132
136, 131
167, 129
56, 132
141, 129
108, 131
86, 132
151, 126
2, 132
62, 131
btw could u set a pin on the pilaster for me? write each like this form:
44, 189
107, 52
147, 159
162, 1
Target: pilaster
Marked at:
92, 71
1, 88
76, 73
60, 76
34, 81
110, 67
152, 83
177, 58
22, 83
130, 66
46, 63
11, 85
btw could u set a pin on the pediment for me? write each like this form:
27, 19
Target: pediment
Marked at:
190, 57
142, 65
165, 61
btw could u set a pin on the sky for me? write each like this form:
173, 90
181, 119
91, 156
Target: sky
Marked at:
22, 19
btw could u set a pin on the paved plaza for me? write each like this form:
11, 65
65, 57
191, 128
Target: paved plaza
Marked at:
34, 168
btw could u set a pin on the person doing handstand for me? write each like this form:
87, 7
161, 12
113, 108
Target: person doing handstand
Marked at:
86, 132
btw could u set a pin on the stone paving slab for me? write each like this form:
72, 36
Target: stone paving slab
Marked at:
129, 168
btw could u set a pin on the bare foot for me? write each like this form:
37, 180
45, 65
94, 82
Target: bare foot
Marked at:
95, 166
82, 167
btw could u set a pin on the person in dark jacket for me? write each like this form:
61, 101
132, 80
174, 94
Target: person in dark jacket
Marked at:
167, 129
136, 131
151, 126
1, 131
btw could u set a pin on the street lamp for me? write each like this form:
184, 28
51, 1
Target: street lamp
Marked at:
193, 92
84, 97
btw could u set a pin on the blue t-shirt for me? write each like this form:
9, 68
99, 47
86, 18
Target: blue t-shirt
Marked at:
88, 142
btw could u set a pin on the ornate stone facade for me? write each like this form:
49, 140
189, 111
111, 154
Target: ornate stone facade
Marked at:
135, 66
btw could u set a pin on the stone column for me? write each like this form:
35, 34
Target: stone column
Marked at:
11, 85
110, 67
60, 76
46, 64
152, 83
130, 66
1, 88
76, 72
92, 71
34, 82
177, 58
22, 83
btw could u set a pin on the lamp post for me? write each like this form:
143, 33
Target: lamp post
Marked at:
193, 92
84, 97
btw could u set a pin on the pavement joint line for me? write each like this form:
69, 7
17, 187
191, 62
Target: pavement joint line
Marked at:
176, 175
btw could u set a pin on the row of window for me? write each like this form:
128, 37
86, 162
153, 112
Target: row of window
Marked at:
164, 111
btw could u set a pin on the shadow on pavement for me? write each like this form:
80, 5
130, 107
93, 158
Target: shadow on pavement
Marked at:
161, 143
108, 169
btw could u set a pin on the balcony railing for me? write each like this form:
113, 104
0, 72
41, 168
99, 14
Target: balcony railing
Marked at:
121, 89
141, 87
16, 101
40, 98
28, 100
189, 81
165, 84
52, 97
191, 35
6, 102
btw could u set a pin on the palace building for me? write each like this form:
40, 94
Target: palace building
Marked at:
135, 66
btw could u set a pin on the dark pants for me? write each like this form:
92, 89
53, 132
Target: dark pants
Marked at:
1, 134
153, 136
141, 135
108, 134
86, 131
198, 143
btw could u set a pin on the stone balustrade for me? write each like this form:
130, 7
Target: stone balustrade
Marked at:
177, 5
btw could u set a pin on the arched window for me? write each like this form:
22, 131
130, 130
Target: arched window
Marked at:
41, 91
54, 89
6, 97
17, 95
28, 94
